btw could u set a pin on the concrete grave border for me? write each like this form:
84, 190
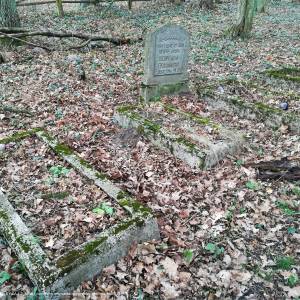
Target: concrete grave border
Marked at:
271, 116
178, 145
82, 263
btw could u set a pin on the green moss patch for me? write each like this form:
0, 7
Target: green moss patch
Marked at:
19, 136
82, 253
288, 73
125, 200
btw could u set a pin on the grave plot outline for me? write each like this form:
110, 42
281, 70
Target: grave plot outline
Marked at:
66, 272
200, 157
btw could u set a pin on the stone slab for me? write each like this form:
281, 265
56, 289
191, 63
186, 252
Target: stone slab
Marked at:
166, 59
87, 260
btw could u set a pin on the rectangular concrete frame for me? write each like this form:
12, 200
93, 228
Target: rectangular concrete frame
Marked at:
87, 260
185, 150
272, 117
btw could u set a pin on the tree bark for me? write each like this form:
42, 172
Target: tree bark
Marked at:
245, 18
60, 8
8, 14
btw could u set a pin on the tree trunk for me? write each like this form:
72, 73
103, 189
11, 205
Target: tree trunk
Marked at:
60, 8
244, 22
8, 14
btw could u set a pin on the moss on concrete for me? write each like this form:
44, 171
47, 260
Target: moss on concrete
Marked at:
288, 73
57, 195
63, 149
19, 136
82, 253
125, 200
190, 116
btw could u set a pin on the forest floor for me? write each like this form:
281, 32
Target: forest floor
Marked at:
224, 234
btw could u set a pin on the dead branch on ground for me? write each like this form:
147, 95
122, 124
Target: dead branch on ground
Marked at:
287, 168
6, 32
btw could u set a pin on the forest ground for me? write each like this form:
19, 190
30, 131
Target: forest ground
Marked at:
225, 234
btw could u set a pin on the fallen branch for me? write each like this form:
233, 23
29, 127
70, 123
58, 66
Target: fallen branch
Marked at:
287, 168
5, 108
20, 32
53, 1
26, 42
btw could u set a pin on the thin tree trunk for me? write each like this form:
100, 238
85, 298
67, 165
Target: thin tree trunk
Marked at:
60, 8
244, 22
8, 14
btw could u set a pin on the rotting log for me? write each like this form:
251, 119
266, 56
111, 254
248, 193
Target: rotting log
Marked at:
287, 168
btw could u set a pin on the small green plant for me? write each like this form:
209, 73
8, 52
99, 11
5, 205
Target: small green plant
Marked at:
291, 230
292, 280
4, 276
259, 226
19, 267
214, 249
188, 255
296, 191
230, 212
287, 208
103, 209
58, 171
285, 262
58, 114
239, 162
252, 185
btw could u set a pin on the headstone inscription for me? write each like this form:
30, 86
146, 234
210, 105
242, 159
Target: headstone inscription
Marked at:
166, 60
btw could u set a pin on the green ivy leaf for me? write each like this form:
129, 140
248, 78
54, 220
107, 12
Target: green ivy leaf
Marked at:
292, 280
104, 208
210, 247
98, 210
188, 255
252, 185
4, 276
285, 262
108, 209
291, 230
58, 171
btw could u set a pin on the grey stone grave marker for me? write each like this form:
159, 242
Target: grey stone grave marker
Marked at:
166, 60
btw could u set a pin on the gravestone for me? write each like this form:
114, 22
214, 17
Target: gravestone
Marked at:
166, 60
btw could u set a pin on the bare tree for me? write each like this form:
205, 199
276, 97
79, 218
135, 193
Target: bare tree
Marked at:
243, 25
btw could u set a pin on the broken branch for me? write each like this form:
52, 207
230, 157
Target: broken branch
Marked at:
20, 32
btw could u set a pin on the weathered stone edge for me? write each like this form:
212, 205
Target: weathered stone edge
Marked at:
86, 261
179, 146
21, 240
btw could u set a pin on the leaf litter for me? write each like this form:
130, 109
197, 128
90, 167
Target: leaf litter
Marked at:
254, 228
